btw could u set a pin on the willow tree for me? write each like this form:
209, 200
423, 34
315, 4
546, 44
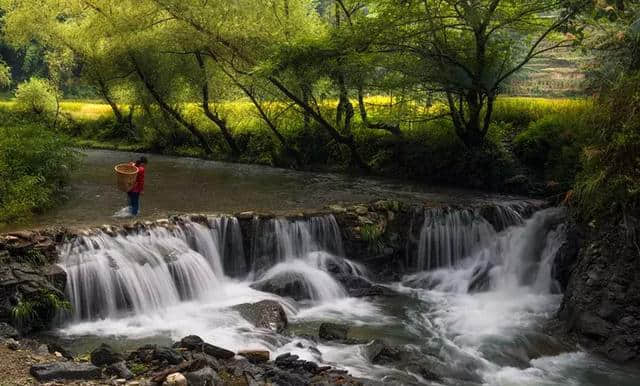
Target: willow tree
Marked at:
466, 49
65, 30
243, 39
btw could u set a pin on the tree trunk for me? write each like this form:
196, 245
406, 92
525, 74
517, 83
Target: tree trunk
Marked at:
393, 129
170, 110
335, 134
345, 108
124, 123
214, 117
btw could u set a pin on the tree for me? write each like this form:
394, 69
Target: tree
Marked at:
37, 96
466, 49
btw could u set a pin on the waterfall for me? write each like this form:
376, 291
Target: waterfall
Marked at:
228, 237
521, 255
298, 257
220, 241
277, 240
159, 266
155, 268
449, 235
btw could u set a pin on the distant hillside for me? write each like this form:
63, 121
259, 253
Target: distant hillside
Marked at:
557, 75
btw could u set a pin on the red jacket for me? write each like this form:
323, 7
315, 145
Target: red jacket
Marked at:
138, 187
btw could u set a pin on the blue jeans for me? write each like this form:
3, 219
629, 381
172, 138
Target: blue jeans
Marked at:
134, 202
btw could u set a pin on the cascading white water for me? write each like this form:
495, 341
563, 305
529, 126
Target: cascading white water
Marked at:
228, 238
109, 275
304, 252
449, 235
520, 255
160, 267
279, 239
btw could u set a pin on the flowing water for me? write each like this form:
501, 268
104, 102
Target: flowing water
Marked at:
472, 314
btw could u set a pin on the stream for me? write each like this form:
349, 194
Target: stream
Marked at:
472, 312
187, 185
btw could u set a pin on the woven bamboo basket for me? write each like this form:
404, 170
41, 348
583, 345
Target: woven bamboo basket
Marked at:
126, 174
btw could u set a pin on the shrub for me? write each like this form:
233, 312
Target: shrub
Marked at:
551, 146
610, 180
35, 165
36, 96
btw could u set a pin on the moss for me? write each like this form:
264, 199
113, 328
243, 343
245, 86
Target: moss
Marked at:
138, 369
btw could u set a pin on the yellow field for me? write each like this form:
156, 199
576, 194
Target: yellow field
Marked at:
241, 115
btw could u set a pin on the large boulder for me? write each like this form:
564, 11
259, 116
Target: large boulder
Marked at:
332, 331
66, 371
105, 355
267, 314
291, 285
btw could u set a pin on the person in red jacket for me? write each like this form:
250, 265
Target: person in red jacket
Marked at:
138, 187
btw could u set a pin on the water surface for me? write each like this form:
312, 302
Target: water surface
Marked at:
188, 185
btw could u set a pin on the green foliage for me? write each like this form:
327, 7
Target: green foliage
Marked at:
38, 311
610, 181
551, 146
35, 164
139, 369
372, 234
37, 96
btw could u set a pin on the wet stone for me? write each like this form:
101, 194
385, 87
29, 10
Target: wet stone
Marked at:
65, 371
105, 355
332, 331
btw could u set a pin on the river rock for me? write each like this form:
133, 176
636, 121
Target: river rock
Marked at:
373, 291
217, 352
332, 331
191, 342
7, 331
57, 348
255, 356
195, 343
22, 282
119, 370
379, 352
480, 278
203, 377
175, 379
267, 314
105, 356
291, 285
168, 355
65, 371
